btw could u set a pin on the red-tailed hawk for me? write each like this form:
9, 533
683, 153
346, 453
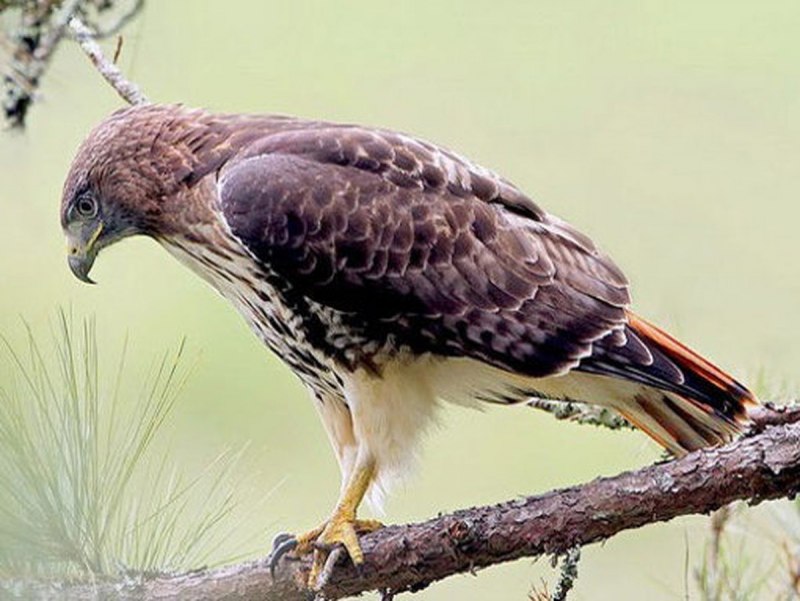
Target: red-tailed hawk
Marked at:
389, 274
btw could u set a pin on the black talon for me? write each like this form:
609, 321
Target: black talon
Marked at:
359, 567
282, 544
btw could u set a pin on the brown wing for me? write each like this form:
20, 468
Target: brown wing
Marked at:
412, 245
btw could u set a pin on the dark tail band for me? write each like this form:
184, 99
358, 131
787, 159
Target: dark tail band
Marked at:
688, 403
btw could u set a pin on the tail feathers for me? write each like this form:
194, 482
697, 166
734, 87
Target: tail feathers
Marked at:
678, 424
687, 402
692, 363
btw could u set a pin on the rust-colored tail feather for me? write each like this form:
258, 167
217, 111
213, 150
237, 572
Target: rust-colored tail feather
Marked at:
686, 402
690, 360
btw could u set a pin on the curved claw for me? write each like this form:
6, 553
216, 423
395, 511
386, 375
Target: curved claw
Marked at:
282, 544
320, 542
338, 531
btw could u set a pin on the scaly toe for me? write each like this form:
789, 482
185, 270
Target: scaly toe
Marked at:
339, 532
367, 526
306, 542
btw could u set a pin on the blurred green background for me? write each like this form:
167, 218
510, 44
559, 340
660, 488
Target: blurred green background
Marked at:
668, 131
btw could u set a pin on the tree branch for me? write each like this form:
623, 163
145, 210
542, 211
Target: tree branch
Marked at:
763, 465
126, 89
42, 26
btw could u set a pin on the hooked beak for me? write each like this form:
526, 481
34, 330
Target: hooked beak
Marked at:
82, 249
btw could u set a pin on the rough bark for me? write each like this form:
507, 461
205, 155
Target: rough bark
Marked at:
763, 465
129, 91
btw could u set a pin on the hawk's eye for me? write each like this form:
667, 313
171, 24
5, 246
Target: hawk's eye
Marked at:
86, 207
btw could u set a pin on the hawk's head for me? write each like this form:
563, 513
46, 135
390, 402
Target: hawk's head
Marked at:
135, 174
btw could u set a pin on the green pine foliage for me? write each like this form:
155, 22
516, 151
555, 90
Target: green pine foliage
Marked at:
752, 553
82, 494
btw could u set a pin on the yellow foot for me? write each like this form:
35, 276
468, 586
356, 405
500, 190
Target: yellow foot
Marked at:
338, 531
322, 540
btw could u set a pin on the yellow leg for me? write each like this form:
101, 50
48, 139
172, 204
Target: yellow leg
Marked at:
342, 527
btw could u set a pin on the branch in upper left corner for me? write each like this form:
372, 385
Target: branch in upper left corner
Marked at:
39, 27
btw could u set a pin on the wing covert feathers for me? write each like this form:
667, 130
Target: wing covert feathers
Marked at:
438, 271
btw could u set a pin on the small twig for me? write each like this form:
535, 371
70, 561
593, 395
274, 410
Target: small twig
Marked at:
581, 413
792, 567
711, 578
569, 574
117, 50
540, 594
719, 520
126, 89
